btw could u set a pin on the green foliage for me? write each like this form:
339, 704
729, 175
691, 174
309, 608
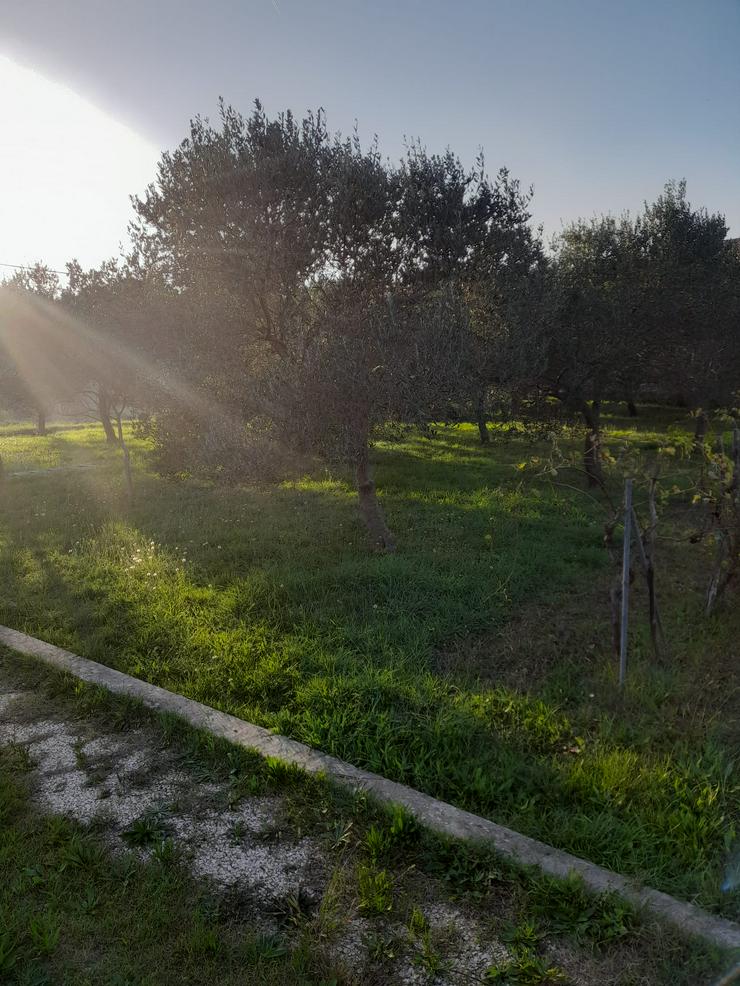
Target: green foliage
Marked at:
264, 948
377, 843
381, 947
425, 952
418, 924
148, 830
523, 936
476, 870
375, 889
427, 956
82, 852
568, 909
525, 969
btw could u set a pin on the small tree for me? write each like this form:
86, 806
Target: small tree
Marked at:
690, 308
116, 312
40, 364
591, 337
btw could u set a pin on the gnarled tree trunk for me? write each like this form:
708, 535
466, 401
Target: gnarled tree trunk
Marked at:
592, 443
480, 416
127, 474
104, 413
41, 421
370, 509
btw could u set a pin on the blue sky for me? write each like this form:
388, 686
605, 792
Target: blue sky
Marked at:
594, 103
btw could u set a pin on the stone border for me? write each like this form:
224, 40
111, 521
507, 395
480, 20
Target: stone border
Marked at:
436, 815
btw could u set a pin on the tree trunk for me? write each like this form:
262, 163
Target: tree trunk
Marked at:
700, 431
370, 509
631, 409
592, 444
41, 421
105, 418
126, 461
645, 540
480, 415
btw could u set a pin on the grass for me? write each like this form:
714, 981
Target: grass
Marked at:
474, 664
73, 912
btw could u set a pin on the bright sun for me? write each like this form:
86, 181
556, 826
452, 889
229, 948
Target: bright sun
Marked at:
66, 172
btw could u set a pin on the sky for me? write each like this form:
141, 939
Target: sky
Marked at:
596, 103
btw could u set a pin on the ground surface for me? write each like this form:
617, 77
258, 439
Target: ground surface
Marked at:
130, 855
475, 664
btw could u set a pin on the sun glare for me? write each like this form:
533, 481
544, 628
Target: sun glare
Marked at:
66, 172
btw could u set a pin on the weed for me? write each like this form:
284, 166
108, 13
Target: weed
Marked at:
80, 852
294, 909
78, 750
473, 869
33, 876
340, 833
568, 909
524, 936
282, 774
237, 831
428, 957
381, 947
33, 975
16, 758
375, 890
44, 931
525, 969
377, 843
165, 852
264, 948
90, 900
417, 924
403, 826
148, 830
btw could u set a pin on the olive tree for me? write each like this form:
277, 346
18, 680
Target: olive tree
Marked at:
690, 310
591, 338
39, 364
116, 312
314, 312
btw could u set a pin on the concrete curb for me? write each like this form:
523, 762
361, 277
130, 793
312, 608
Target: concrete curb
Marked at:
436, 815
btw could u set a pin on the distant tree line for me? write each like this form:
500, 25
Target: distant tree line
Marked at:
291, 294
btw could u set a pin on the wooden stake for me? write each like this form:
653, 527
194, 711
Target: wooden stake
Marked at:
626, 544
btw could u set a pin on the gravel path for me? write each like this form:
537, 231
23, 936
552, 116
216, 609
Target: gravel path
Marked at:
117, 779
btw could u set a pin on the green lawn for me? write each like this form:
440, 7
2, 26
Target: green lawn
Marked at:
474, 664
